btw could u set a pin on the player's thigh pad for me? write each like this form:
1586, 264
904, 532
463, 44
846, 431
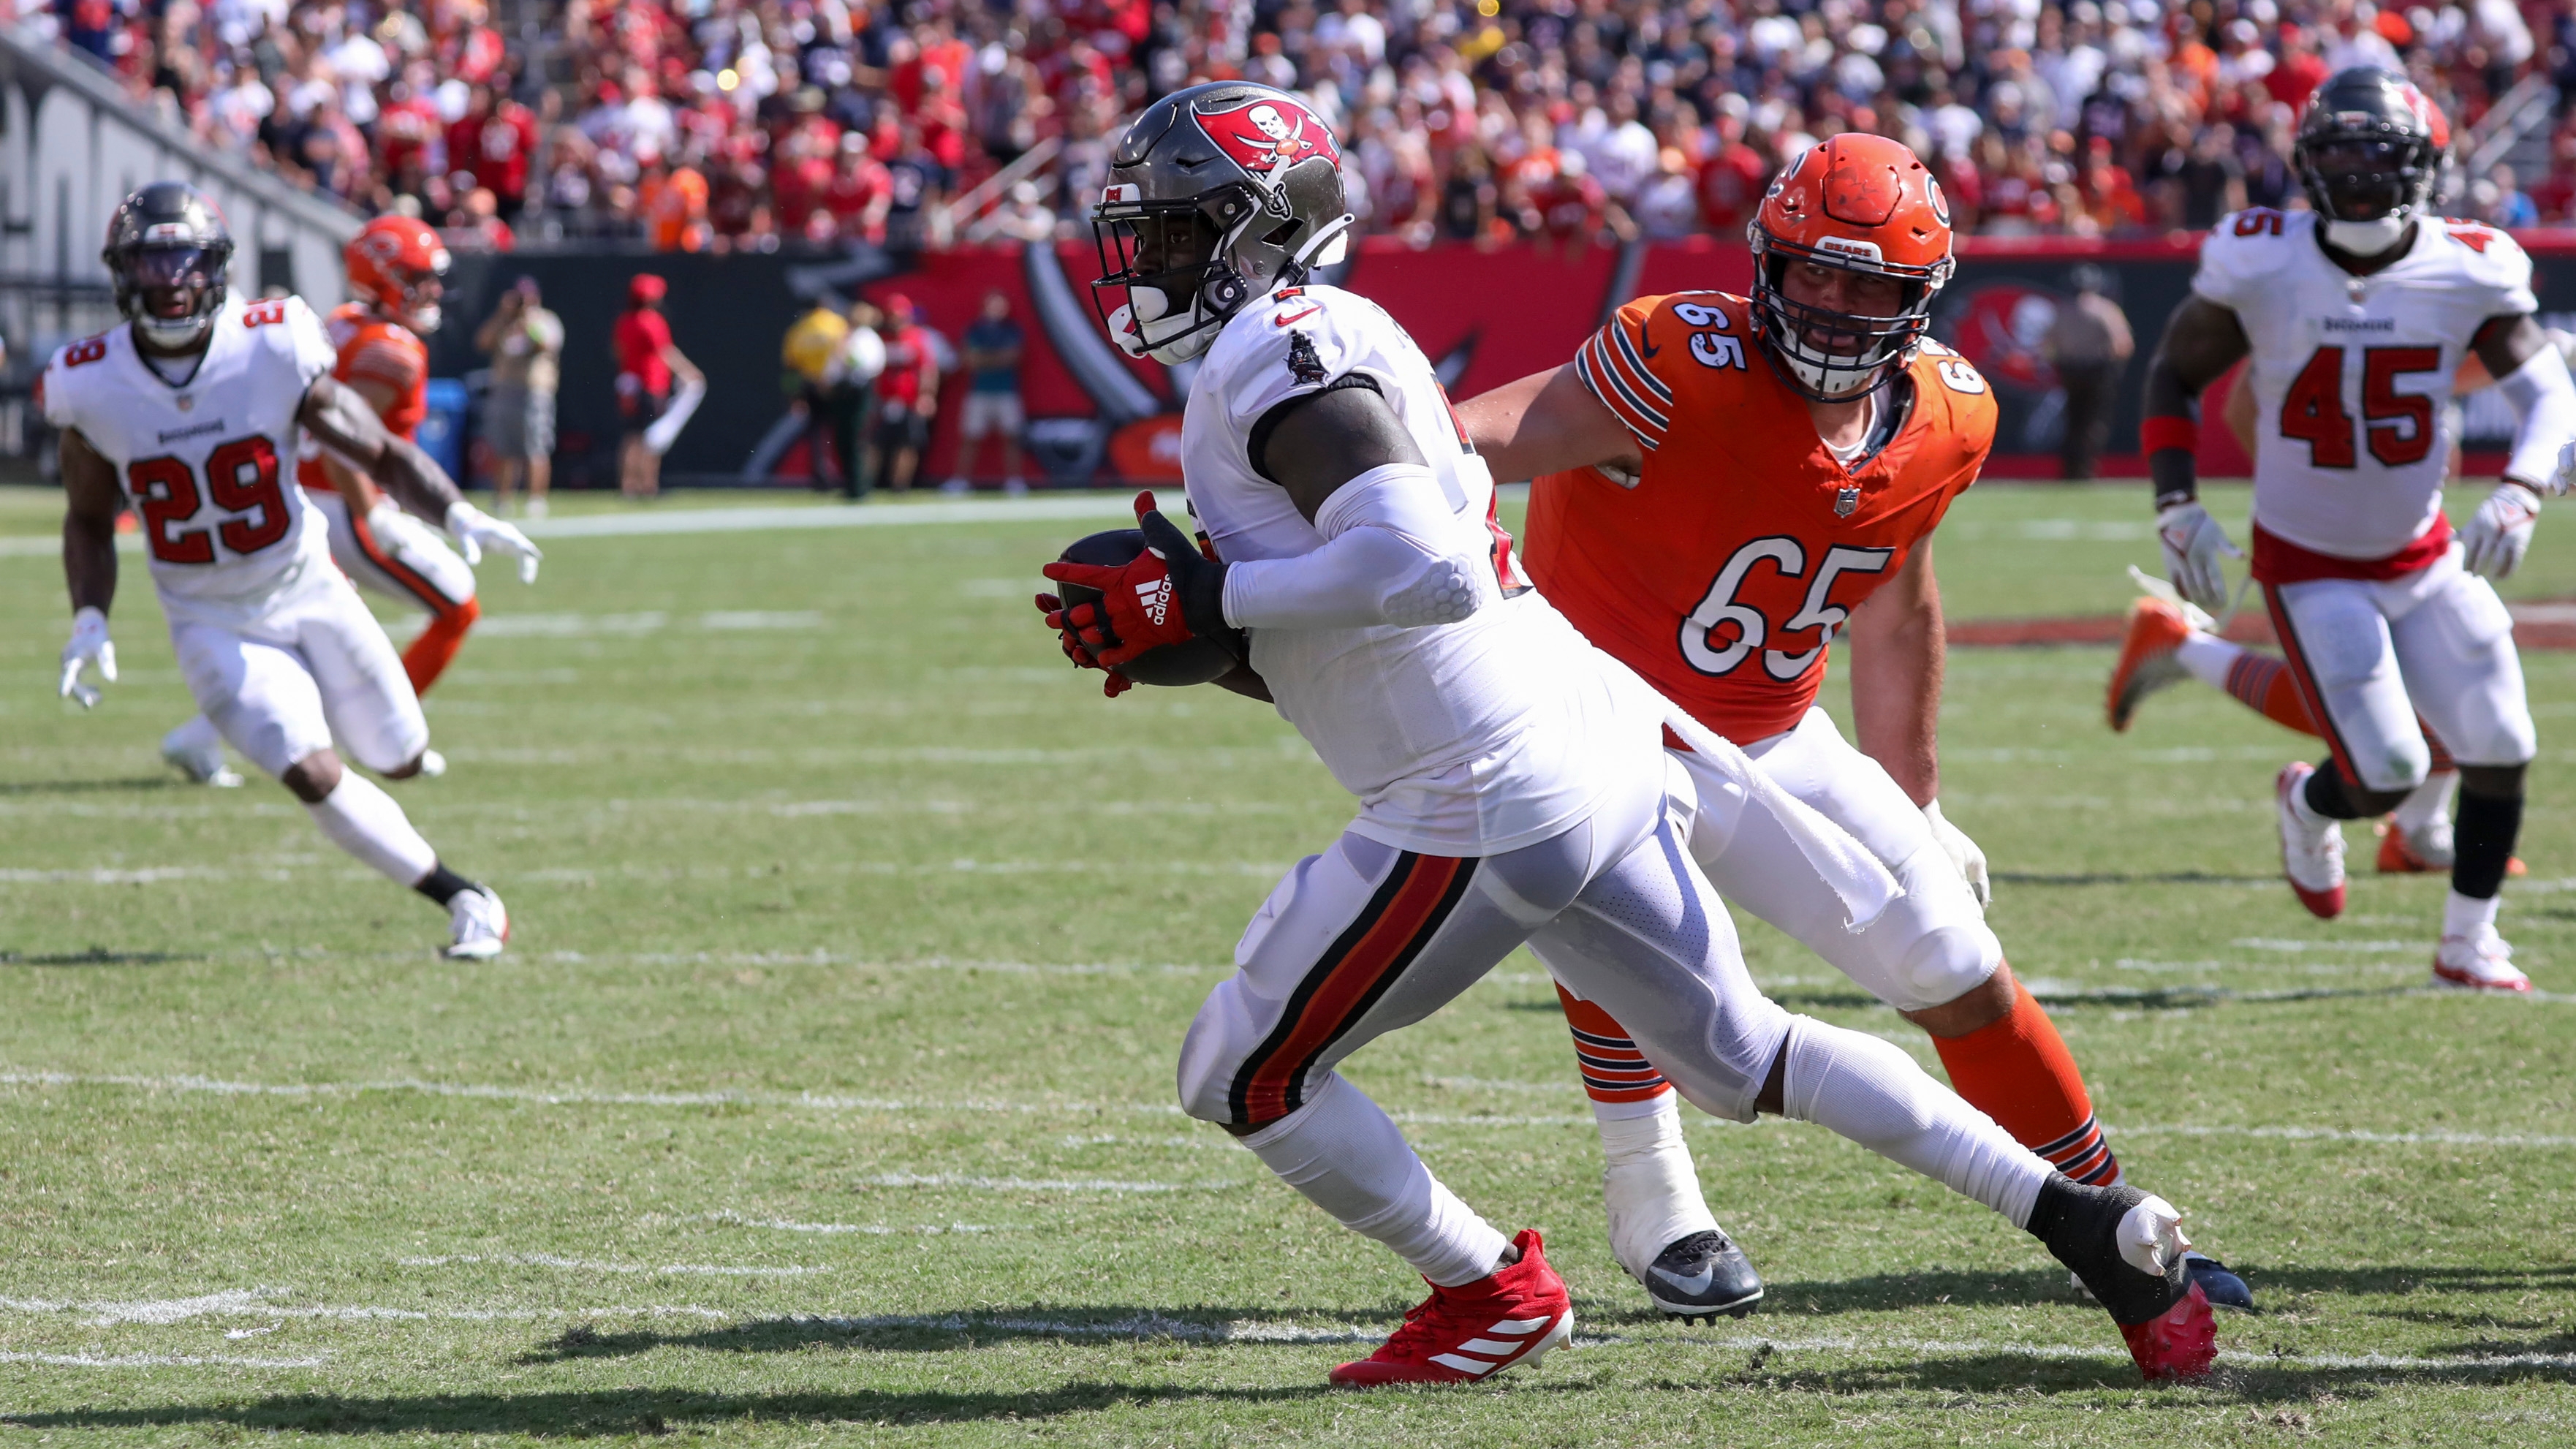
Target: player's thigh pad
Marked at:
365, 694
1928, 948
1352, 944
1649, 941
2339, 638
2455, 650
259, 696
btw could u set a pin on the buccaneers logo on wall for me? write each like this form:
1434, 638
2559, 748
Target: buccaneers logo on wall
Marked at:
1269, 134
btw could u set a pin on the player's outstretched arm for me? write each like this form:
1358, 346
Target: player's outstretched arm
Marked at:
89, 562
2201, 341
2532, 375
1546, 422
340, 419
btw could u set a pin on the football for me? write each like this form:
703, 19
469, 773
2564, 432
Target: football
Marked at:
1199, 661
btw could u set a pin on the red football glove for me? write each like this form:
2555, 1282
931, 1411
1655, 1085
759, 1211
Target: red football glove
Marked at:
1168, 594
1053, 608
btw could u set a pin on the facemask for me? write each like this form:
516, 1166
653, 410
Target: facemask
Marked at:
2367, 238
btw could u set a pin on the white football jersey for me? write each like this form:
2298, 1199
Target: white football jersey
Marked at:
1461, 739
2351, 374
208, 463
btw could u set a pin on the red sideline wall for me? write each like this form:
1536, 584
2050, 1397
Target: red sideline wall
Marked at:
1488, 316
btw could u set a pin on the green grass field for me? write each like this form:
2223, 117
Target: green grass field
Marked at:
826, 1091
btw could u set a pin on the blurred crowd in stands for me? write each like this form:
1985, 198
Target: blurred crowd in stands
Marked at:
733, 124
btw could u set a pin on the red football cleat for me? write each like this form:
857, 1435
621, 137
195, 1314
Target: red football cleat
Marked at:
2179, 1343
2400, 854
2311, 855
1458, 1335
2147, 662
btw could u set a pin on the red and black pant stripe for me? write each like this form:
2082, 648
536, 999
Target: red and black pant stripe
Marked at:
1402, 916
2309, 693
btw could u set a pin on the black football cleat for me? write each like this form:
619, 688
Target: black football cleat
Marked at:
2102, 1234
1699, 1277
2218, 1282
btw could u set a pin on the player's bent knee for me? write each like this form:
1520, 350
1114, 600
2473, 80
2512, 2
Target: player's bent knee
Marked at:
1220, 1039
2393, 766
1944, 965
313, 778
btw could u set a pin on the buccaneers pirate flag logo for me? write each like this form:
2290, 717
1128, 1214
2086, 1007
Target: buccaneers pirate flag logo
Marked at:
1269, 134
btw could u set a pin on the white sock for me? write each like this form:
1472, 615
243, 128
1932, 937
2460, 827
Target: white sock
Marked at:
364, 821
2462, 915
2208, 657
1349, 1159
1648, 1181
196, 734
2427, 802
1872, 1092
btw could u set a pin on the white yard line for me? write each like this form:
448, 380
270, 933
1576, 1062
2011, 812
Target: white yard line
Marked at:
1115, 1186
155, 1360
878, 1230
831, 1102
586, 1265
1110, 503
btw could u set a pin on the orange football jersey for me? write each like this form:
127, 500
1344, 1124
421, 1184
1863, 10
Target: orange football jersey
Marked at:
380, 352
1721, 571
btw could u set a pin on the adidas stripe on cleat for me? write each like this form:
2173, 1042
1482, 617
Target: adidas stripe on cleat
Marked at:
1515, 1317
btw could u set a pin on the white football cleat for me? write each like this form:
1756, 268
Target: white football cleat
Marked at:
196, 751
2311, 855
2479, 961
479, 925
432, 764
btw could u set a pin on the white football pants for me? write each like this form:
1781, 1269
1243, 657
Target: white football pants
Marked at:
2370, 656
314, 669
1927, 949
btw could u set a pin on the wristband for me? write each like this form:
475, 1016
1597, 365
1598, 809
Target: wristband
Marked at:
2155, 435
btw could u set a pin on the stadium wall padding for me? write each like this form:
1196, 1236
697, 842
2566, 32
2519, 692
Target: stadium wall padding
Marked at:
1484, 316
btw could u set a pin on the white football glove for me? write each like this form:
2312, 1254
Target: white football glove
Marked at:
2499, 533
476, 530
89, 646
2193, 542
1963, 853
2564, 477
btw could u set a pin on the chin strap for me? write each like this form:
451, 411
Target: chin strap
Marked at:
1333, 236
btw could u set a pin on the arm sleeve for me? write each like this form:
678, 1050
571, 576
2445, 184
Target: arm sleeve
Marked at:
1613, 365
1399, 551
2544, 403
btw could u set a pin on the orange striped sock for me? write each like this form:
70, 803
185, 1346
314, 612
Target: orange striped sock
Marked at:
2019, 1072
2263, 684
429, 654
1614, 1071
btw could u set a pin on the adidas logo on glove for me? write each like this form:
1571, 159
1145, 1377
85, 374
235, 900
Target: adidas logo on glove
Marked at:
1156, 598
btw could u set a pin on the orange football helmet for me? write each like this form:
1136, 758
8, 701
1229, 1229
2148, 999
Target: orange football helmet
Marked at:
1859, 203
395, 264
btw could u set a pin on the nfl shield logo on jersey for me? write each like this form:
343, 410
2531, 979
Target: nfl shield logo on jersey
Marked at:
1846, 500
